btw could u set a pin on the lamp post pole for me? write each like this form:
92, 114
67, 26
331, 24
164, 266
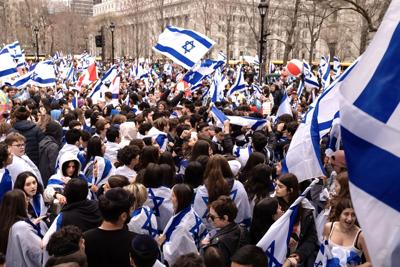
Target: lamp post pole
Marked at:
112, 28
263, 9
36, 30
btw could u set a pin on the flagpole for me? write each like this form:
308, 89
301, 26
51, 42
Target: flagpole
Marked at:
36, 30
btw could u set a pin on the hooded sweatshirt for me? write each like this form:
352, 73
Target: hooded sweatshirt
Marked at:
55, 182
33, 135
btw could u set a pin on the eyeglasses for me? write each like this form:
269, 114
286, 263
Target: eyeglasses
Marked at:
19, 145
212, 217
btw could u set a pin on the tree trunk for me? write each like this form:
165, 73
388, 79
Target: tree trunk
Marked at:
364, 36
289, 40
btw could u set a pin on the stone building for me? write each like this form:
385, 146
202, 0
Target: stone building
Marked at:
233, 25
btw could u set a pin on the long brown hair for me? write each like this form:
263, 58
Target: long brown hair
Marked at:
12, 209
217, 170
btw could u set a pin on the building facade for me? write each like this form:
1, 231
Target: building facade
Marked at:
233, 25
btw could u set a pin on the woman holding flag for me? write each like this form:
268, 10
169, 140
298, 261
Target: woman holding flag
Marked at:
303, 243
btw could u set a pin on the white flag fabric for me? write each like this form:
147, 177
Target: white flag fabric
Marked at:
8, 68
284, 107
370, 115
324, 71
183, 46
239, 84
44, 75
100, 88
276, 239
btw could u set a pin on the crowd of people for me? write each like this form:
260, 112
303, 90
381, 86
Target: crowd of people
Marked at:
152, 179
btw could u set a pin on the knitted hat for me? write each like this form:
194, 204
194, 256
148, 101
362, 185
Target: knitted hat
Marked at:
144, 249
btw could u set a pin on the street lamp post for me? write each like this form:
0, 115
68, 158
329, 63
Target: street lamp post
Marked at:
112, 28
263, 9
36, 30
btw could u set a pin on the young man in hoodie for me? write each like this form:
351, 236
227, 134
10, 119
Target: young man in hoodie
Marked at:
72, 138
30, 130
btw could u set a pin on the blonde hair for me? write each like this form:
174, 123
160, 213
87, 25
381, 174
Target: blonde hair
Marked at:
140, 193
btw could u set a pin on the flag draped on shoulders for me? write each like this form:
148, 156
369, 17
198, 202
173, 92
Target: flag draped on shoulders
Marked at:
370, 115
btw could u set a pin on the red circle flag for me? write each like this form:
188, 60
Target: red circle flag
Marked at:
294, 67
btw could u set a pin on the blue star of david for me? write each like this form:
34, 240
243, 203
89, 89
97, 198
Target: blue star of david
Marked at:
233, 194
205, 199
157, 201
317, 264
195, 230
147, 225
272, 261
191, 76
188, 46
34, 76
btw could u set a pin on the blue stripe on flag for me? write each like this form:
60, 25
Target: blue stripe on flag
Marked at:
7, 72
385, 76
219, 114
175, 54
195, 36
379, 164
44, 81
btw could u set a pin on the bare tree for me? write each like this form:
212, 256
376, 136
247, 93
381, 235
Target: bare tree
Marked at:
290, 32
315, 16
372, 12
206, 14
228, 26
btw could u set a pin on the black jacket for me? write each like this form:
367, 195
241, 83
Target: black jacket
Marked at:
229, 239
48, 153
33, 135
307, 247
84, 214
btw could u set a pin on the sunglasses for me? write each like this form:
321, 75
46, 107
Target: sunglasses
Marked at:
212, 217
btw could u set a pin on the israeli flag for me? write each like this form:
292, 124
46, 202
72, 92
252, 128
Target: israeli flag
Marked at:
324, 255
239, 84
284, 107
221, 57
200, 71
160, 137
310, 80
22, 81
271, 68
8, 67
15, 50
304, 155
109, 76
44, 75
159, 201
370, 115
300, 89
217, 86
70, 74
324, 71
327, 105
253, 123
183, 46
276, 240
336, 67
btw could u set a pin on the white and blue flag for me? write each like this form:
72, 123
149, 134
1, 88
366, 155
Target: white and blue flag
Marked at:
336, 67
44, 75
217, 87
239, 84
310, 80
22, 81
253, 123
271, 68
100, 88
304, 155
284, 106
324, 71
370, 116
8, 67
200, 71
275, 242
183, 46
